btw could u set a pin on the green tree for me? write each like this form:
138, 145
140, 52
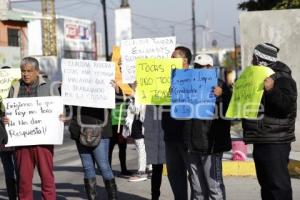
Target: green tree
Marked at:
288, 4
268, 4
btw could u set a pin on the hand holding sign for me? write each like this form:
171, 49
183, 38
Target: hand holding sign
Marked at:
192, 93
88, 83
34, 120
248, 91
218, 91
269, 84
154, 80
131, 50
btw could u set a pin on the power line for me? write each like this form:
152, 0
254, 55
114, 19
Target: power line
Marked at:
69, 5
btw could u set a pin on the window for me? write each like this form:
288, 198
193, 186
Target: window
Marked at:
13, 37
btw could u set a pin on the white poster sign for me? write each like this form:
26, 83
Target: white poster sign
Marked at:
87, 83
34, 120
7, 76
143, 48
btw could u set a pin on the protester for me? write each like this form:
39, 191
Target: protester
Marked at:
7, 158
176, 153
272, 134
206, 140
134, 122
94, 121
155, 148
27, 157
117, 137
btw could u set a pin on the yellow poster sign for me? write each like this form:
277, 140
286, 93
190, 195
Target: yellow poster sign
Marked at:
116, 58
7, 76
247, 92
153, 78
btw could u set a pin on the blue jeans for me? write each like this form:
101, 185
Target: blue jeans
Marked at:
8, 162
97, 154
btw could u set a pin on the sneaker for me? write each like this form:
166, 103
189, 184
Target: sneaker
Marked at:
126, 174
138, 176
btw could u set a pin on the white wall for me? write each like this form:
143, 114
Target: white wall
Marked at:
281, 28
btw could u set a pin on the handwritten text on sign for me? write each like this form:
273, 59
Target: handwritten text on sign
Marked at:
154, 80
88, 83
192, 93
247, 92
143, 48
34, 121
6, 78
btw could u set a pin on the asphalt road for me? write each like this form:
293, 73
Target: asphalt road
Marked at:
69, 180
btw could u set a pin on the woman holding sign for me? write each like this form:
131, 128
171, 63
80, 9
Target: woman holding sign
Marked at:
93, 123
91, 129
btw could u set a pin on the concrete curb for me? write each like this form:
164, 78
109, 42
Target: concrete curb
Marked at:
238, 168
294, 168
247, 168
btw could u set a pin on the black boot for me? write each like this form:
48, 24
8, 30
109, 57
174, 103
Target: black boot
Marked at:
111, 189
11, 187
90, 188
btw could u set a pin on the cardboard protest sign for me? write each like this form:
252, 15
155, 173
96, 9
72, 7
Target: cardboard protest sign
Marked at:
116, 58
154, 80
88, 83
143, 48
34, 120
247, 92
192, 93
7, 76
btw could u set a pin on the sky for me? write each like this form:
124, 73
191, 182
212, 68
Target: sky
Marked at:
158, 18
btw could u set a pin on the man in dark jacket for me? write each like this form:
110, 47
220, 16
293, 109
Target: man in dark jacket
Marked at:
206, 140
173, 135
272, 134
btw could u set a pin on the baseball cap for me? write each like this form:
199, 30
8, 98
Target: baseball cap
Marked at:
204, 60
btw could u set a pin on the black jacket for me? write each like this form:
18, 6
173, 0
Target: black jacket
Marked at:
280, 108
210, 136
172, 127
93, 116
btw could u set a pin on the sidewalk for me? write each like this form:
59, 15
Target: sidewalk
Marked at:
247, 168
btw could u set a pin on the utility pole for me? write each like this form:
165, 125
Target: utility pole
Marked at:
194, 28
49, 28
103, 2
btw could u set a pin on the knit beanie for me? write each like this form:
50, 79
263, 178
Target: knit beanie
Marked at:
266, 51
